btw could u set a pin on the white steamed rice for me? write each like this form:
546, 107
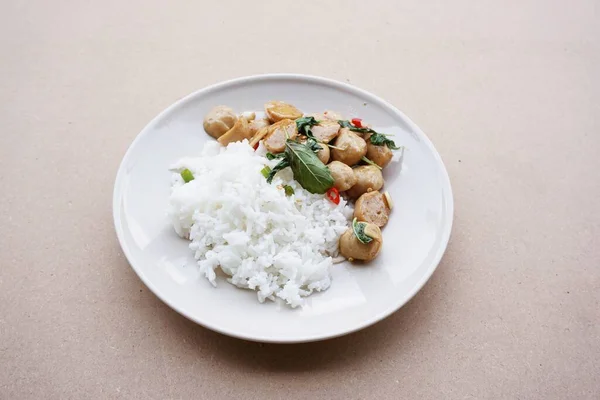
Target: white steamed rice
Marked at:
265, 241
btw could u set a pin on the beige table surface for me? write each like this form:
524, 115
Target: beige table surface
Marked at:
509, 92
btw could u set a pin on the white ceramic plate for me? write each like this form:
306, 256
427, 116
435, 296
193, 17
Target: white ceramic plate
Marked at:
360, 295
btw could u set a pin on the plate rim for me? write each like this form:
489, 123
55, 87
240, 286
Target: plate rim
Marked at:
393, 307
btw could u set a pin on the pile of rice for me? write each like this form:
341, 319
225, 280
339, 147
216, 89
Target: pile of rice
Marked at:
262, 239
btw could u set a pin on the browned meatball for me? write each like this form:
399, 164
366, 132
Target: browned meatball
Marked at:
349, 147
372, 207
368, 177
380, 155
324, 153
326, 131
278, 133
354, 249
343, 176
219, 120
278, 110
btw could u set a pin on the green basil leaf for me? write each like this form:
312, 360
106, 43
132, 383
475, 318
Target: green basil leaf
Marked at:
359, 231
313, 145
308, 170
304, 124
379, 139
271, 156
345, 124
284, 163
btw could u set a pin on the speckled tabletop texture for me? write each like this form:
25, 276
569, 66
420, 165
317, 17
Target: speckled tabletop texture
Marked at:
509, 93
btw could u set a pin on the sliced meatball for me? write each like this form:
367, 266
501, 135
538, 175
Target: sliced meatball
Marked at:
372, 207
278, 110
349, 147
278, 133
343, 176
354, 249
380, 155
326, 131
219, 120
237, 133
368, 178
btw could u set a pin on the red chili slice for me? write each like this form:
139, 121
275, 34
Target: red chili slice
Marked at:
255, 147
357, 122
334, 195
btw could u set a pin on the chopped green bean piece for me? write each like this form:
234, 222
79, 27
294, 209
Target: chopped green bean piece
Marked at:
187, 175
265, 171
288, 190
